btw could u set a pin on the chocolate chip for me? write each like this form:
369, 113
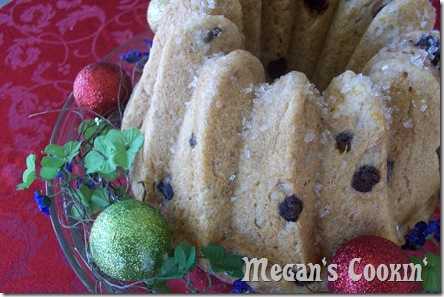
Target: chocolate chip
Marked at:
390, 167
343, 142
277, 68
433, 48
290, 208
193, 141
216, 32
378, 11
166, 189
318, 6
365, 178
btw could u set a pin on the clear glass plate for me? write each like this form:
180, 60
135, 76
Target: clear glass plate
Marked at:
72, 236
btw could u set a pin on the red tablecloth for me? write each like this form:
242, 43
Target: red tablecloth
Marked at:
44, 44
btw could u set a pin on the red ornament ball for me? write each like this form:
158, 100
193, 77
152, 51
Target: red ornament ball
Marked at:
363, 266
96, 87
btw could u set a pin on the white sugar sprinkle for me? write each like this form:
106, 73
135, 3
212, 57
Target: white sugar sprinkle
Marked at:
249, 89
324, 136
308, 88
408, 124
247, 152
193, 83
244, 134
325, 213
309, 136
318, 187
263, 127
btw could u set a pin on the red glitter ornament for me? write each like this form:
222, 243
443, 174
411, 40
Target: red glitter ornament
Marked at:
96, 87
370, 257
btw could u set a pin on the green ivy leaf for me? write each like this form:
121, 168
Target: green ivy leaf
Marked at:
90, 127
221, 262
170, 270
122, 159
134, 138
99, 200
231, 264
54, 150
80, 213
116, 138
29, 174
431, 273
107, 151
101, 159
213, 252
76, 212
52, 162
50, 167
82, 195
48, 173
87, 128
65, 153
93, 161
127, 143
185, 255
123, 193
70, 150
181, 261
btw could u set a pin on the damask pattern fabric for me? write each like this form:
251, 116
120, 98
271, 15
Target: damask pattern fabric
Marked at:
44, 44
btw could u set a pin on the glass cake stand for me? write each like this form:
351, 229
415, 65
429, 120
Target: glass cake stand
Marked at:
72, 236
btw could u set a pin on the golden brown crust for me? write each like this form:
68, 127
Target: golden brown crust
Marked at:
358, 205
414, 105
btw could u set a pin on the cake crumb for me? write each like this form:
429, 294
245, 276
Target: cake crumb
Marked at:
318, 187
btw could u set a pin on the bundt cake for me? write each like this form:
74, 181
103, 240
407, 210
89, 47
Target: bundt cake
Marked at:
242, 149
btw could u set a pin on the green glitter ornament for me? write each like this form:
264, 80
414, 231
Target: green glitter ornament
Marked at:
129, 240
